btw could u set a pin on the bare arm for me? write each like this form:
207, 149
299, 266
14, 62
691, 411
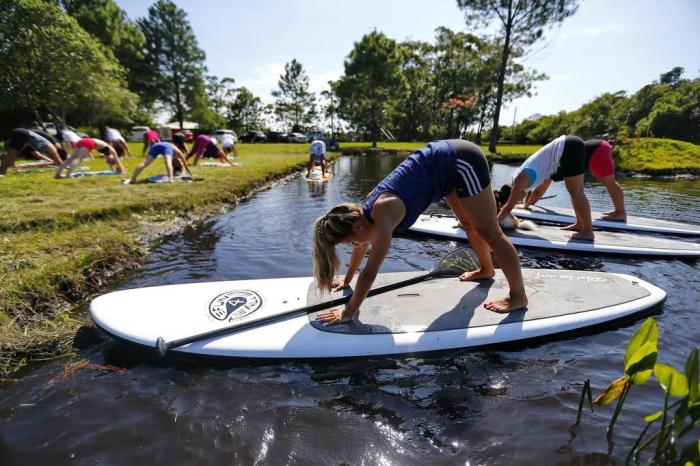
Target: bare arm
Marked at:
519, 185
183, 161
358, 253
537, 193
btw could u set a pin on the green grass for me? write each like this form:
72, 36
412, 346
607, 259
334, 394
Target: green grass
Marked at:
658, 156
61, 240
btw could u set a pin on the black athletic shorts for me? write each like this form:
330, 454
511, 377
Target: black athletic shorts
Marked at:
472, 168
573, 159
18, 138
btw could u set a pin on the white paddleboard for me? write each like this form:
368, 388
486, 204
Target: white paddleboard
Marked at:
434, 315
566, 216
552, 237
317, 175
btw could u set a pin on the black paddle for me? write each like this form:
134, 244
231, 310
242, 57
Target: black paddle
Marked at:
452, 265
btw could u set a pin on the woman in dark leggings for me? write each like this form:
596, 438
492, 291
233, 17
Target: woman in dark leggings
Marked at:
455, 170
564, 156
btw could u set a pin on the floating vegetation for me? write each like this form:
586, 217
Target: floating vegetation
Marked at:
681, 412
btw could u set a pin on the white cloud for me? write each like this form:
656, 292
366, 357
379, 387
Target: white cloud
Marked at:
263, 79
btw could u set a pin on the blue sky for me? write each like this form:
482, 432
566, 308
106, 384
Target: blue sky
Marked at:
608, 45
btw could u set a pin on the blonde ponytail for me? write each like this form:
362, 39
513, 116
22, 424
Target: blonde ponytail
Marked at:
330, 230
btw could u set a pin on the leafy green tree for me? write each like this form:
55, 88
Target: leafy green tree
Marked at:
175, 61
330, 104
372, 85
294, 104
110, 25
417, 111
244, 111
52, 65
522, 23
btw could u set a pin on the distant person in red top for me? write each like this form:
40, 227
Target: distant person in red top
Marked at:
24, 140
204, 146
81, 151
150, 137
599, 161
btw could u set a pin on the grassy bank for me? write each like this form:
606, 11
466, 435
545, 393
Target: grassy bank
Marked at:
62, 240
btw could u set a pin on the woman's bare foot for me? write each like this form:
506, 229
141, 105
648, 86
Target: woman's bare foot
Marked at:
572, 227
614, 215
582, 236
507, 304
479, 274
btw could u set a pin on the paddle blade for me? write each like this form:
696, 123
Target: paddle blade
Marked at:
455, 263
161, 347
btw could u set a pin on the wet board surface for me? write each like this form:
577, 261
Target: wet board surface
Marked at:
434, 315
316, 175
566, 216
552, 237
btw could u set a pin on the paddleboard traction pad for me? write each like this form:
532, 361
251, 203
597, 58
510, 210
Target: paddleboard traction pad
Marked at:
447, 303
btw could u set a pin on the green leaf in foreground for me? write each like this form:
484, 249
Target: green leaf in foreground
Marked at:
640, 364
672, 380
611, 393
691, 372
653, 417
648, 332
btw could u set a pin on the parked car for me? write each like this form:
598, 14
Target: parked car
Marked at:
219, 133
136, 133
254, 136
277, 136
297, 137
49, 127
316, 134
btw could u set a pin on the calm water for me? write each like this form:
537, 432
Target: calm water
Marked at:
487, 407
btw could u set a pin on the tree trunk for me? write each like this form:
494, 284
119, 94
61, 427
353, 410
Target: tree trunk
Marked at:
501, 80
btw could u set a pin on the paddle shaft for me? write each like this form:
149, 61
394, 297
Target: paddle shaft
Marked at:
163, 347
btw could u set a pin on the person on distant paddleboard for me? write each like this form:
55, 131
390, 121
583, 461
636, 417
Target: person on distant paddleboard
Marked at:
566, 155
454, 169
205, 146
599, 161
317, 155
168, 151
81, 151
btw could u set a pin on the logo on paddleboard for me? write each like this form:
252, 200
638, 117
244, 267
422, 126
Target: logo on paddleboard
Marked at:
234, 305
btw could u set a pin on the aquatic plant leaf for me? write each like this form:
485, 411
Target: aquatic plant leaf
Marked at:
694, 411
648, 332
679, 418
611, 392
671, 379
640, 365
691, 372
653, 417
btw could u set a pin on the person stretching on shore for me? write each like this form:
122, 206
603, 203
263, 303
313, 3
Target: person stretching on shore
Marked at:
229, 144
205, 146
567, 154
150, 137
116, 140
24, 140
81, 151
168, 151
600, 162
456, 170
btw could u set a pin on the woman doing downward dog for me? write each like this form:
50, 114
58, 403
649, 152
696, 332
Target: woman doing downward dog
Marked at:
454, 169
565, 155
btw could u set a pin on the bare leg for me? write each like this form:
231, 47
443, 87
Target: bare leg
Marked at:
140, 168
53, 155
72, 162
618, 198
478, 214
169, 168
584, 224
8, 161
